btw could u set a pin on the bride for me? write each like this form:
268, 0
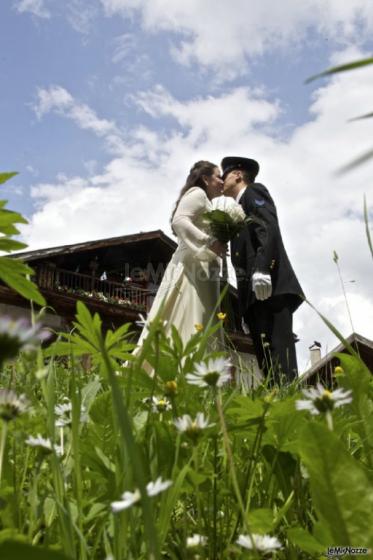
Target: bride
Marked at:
189, 290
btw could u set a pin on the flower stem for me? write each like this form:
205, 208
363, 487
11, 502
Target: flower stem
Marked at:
4, 432
233, 471
329, 420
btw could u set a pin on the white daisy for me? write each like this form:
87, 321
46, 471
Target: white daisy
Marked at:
196, 540
19, 335
128, 499
64, 414
320, 400
264, 543
43, 444
214, 372
154, 488
158, 405
141, 322
192, 427
11, 404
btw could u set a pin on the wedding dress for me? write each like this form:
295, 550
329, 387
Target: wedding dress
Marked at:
189, 290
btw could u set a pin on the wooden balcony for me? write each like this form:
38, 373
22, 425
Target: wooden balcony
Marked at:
84, 286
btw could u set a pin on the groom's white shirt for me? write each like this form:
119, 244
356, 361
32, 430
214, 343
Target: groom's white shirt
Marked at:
240, 194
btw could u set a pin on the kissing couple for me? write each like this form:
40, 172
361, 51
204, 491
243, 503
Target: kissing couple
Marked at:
268, 290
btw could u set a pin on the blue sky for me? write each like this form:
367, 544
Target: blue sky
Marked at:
102, 64
105, 104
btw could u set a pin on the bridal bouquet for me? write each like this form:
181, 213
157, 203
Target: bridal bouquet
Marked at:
226, 220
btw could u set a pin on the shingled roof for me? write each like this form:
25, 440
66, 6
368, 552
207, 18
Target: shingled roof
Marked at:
156, 235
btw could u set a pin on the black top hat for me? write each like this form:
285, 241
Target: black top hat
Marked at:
246, 164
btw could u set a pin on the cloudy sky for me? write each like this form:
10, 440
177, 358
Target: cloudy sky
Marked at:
106, 104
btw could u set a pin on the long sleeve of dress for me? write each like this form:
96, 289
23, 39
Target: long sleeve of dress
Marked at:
191, 206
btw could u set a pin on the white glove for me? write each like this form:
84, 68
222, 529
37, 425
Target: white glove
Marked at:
262, 285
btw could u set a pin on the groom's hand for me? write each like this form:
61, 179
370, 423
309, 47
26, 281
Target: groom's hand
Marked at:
262, 285
219, 248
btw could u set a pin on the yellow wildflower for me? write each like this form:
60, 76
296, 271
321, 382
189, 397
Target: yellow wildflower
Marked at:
198, 327
171, 387
221, 316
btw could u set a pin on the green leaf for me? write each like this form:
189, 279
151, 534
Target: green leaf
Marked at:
283, 425
6, 176
260, 520
244, 408
305, 541
50, 511
13, 550
341, 68
7, 245
13, 273
342, 494
8, 218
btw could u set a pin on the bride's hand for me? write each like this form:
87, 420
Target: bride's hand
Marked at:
219, 248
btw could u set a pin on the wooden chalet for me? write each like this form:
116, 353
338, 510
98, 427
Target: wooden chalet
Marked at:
322, 370
116, 277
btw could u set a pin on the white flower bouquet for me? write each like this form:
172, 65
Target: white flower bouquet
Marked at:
226, 220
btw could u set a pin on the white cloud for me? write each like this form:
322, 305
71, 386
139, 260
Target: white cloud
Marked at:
56, 99
225, 35
81, 15
318, 212
35, 7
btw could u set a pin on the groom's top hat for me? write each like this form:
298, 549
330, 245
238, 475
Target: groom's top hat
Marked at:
246, 164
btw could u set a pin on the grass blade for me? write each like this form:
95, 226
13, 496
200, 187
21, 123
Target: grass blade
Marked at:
342, 68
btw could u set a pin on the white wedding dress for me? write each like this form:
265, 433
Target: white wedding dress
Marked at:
189, 290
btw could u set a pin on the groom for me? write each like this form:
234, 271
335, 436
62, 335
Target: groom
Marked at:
268, 290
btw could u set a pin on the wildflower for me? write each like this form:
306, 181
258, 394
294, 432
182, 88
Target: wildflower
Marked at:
11, 405
154, 488
171, 387
198, 327
192, 427
196, 540
64, 414
213, 373
43, 444
141, 322
17, 335
321, 400
130, 498
264, 543
158, 405
338, 371
221, 316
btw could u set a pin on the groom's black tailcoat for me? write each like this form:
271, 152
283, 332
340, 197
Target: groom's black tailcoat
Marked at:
259, 248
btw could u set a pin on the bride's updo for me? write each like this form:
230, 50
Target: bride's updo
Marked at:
195, 179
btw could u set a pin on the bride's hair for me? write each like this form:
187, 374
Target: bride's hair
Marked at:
195, 179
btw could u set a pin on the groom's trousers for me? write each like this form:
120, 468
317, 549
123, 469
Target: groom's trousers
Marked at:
271, 328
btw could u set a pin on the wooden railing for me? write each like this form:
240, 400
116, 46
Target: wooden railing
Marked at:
75, 283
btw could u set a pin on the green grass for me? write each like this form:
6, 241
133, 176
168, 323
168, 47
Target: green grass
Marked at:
261, 467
